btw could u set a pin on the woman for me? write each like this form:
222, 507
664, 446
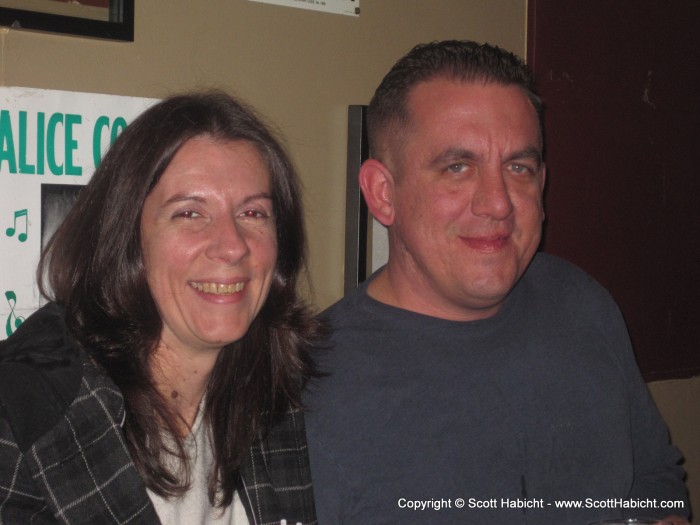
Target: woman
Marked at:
162, 381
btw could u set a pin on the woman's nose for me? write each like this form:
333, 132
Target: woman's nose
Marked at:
227, 242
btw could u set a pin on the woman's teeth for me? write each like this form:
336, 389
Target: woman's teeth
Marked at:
218, 289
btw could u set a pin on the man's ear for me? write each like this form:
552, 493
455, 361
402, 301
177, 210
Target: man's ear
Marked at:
377, 185
543, 180
543, 176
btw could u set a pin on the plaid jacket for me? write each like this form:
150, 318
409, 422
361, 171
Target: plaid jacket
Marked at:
63, 458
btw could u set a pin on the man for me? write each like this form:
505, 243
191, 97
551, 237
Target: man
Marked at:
470, 380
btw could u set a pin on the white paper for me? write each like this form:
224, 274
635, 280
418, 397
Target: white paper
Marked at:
340, 7
49, 140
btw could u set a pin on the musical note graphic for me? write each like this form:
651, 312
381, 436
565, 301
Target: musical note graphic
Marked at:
12, 301
11, 231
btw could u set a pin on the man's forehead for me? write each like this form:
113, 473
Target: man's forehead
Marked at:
439, 99
433, 91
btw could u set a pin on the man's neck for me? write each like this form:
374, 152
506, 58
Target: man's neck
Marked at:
385, 289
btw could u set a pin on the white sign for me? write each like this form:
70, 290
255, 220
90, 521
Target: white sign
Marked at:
50, 143
339, 7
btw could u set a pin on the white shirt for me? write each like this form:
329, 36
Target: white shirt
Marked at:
194, 507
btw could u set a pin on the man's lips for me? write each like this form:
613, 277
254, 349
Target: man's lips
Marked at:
487, 243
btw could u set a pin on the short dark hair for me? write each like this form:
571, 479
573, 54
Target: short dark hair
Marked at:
93, 265
459, 60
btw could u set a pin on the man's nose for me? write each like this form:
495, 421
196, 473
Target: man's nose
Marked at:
491, 197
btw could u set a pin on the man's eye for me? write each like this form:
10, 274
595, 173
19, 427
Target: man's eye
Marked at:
519, 168
457, 168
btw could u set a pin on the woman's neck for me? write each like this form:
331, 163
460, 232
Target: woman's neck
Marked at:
181, 377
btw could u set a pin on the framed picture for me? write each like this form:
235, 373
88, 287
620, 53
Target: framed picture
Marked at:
108, 19
366, 243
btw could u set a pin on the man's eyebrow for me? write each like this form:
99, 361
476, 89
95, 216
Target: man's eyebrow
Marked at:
452, 155
457, 154
532, 153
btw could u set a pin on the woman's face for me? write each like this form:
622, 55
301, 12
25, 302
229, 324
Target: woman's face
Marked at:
209, 243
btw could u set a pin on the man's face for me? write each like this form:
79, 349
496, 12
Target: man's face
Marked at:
467, 198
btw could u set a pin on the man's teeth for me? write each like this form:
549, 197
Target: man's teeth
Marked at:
218, 289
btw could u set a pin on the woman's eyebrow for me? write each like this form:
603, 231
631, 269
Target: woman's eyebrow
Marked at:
184, 197
258, 196
180, 197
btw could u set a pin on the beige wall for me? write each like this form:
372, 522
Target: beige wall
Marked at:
301, 69
679, 403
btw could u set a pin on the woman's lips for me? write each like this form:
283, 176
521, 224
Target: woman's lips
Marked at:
218, 288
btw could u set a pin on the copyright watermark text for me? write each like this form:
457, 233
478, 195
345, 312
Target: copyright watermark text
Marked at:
534, 503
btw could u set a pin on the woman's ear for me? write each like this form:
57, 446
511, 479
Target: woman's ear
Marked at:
377, 185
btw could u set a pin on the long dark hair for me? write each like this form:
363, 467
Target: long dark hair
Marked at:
93, 265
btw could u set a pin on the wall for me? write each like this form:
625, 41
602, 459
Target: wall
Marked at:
622, 122
679, 403
301, 69
625, 95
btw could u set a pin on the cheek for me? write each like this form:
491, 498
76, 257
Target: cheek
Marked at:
432, 206
164, 259
263, 249
531, 209
446, 210
528, 222
149, 258
270, 250
528, 202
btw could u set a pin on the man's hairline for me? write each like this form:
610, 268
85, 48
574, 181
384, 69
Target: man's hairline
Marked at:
398, 126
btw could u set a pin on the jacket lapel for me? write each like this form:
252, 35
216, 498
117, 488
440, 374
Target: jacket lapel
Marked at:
83, 465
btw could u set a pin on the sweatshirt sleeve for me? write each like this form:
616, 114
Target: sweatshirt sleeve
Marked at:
657, 471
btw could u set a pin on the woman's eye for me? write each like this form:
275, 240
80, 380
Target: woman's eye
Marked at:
187, 214
254, 214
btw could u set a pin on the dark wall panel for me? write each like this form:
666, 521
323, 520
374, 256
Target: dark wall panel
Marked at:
621, 83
